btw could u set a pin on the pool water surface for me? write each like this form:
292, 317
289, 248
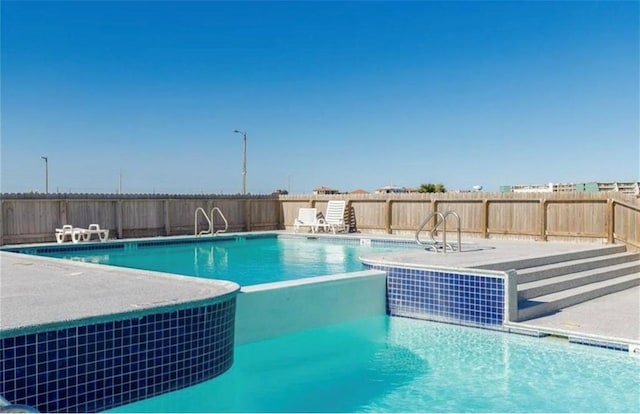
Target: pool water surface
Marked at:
247, 261
388, 364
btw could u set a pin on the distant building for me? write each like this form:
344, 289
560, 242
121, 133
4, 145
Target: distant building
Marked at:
632, 187
359, 191
474, 189
388, 189
538, 188
629, 187
325, 190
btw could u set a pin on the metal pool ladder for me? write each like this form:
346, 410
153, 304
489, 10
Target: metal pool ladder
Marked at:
211, 230
434, 245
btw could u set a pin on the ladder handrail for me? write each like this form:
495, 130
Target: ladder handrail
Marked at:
441, 220
226, 223
209, 219
424, 223
444, 229
204, 213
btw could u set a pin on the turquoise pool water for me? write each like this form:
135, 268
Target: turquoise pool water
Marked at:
388, 364
247, 261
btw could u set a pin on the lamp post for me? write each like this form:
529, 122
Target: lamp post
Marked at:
244, 160
46, 174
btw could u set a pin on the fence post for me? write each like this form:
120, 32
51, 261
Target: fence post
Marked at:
484, 220
543, 219
281, 223
388, 216
247, 211
167, 224
610, 223
119, 218
1, 222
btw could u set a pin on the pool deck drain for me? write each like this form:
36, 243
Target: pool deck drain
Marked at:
37, 291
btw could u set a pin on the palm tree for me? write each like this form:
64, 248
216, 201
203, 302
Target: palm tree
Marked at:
432, 188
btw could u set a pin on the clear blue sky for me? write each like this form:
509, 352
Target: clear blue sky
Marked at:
342, 94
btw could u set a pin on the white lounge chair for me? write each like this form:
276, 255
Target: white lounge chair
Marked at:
103, 234
334, 219
307, 217
74, 233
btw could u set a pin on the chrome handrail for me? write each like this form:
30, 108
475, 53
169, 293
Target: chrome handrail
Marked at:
441, 220
226, 223
209, 219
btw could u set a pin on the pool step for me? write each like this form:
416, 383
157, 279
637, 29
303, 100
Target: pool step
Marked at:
554, 284
537, 262
574, 266
568, 280
547, 304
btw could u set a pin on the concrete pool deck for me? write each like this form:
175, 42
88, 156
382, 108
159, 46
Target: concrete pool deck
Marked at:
36, 291
40, 291
616, 315
484, 253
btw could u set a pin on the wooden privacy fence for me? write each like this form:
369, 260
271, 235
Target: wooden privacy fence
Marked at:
605, 217
33, 219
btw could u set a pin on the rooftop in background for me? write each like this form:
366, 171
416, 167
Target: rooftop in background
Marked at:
626, 187
388, 189
325, 190
393, 189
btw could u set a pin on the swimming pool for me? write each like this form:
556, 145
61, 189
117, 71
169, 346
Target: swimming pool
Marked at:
333, 358
388, 364
244, 260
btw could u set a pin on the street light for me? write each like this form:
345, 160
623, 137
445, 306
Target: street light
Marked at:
244, 160
46, 174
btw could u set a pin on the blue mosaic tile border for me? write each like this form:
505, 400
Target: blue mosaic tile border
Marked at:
124, 245
132, 245
460, 298
409, 244
599, 343
366, 241
526, 332
66, 248
186, 241
100, 366
205, 239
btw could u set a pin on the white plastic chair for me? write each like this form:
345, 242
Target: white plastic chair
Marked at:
334, 219
307, 217
74, 233
103, 234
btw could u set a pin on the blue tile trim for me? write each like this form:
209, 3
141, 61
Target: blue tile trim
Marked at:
356, 241
186, 241
63, 248
95, 367
527, 332
599, 343
126, 245
409, 244
204, 239
461, 298
66, 248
